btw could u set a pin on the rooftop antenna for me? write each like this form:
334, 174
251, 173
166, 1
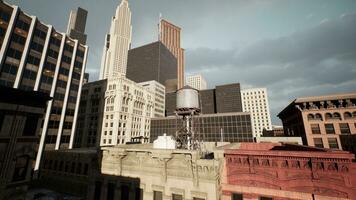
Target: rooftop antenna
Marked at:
159, 26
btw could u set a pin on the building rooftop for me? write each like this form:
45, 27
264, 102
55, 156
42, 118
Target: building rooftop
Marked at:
326, 97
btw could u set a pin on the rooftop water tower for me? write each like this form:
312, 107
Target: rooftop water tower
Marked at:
187, 106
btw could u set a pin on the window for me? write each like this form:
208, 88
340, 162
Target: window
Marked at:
20, 168
329, 128
157, 195
315, 128
347, 115
236, 196
344, 128
328, 116
333, 143
177, 197
265, 198
318, 142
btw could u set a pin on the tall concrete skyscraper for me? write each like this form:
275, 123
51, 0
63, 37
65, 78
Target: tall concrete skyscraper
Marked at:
76, 25
255, 101
169, 35
117, 44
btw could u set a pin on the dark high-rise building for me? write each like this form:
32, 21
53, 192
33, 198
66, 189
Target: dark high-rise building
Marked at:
153, 62
76, 25
36, 57
207, 100
171, 101
222, 99
226, 127
228, 98
91, 114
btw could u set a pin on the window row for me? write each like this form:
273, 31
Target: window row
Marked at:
330, 129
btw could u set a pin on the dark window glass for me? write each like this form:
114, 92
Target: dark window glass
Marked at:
333, 143
329, 128
318, 142
18, 39
30, 125
236, 196
22, 25
39, 33
266, 198
315, 128
344, 128
4, 16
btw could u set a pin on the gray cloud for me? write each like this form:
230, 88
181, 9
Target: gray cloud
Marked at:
318, 60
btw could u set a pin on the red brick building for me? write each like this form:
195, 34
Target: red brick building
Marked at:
279, 171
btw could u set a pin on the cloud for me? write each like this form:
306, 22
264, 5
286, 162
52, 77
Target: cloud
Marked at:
319, 60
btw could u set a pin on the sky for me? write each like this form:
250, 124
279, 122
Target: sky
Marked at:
293, 48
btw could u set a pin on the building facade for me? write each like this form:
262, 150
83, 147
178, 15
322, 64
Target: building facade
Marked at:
221, 127
76, 25
36, 57
158, 92
153, 62
230, 172
320, 120
91, 114
21, 113
197, 81
228, 98
127, 113
169, 35
117, 44
269, 171
255, 101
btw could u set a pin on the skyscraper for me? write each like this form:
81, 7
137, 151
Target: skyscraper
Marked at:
153, 62
117, 44
76, 25
255, 101
36, 57
169, 35
197, 81
128, 106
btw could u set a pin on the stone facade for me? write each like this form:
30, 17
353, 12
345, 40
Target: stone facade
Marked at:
179, 172
275, 171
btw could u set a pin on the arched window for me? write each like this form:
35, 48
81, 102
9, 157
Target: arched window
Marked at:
328, 116
347, 115
336, 115
310, 117
318, 116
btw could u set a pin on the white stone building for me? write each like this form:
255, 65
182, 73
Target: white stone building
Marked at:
127, 113
117, 43
197, 82
158, 91
128, 105
255, 101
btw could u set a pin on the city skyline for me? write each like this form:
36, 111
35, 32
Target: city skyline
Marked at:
279, 54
